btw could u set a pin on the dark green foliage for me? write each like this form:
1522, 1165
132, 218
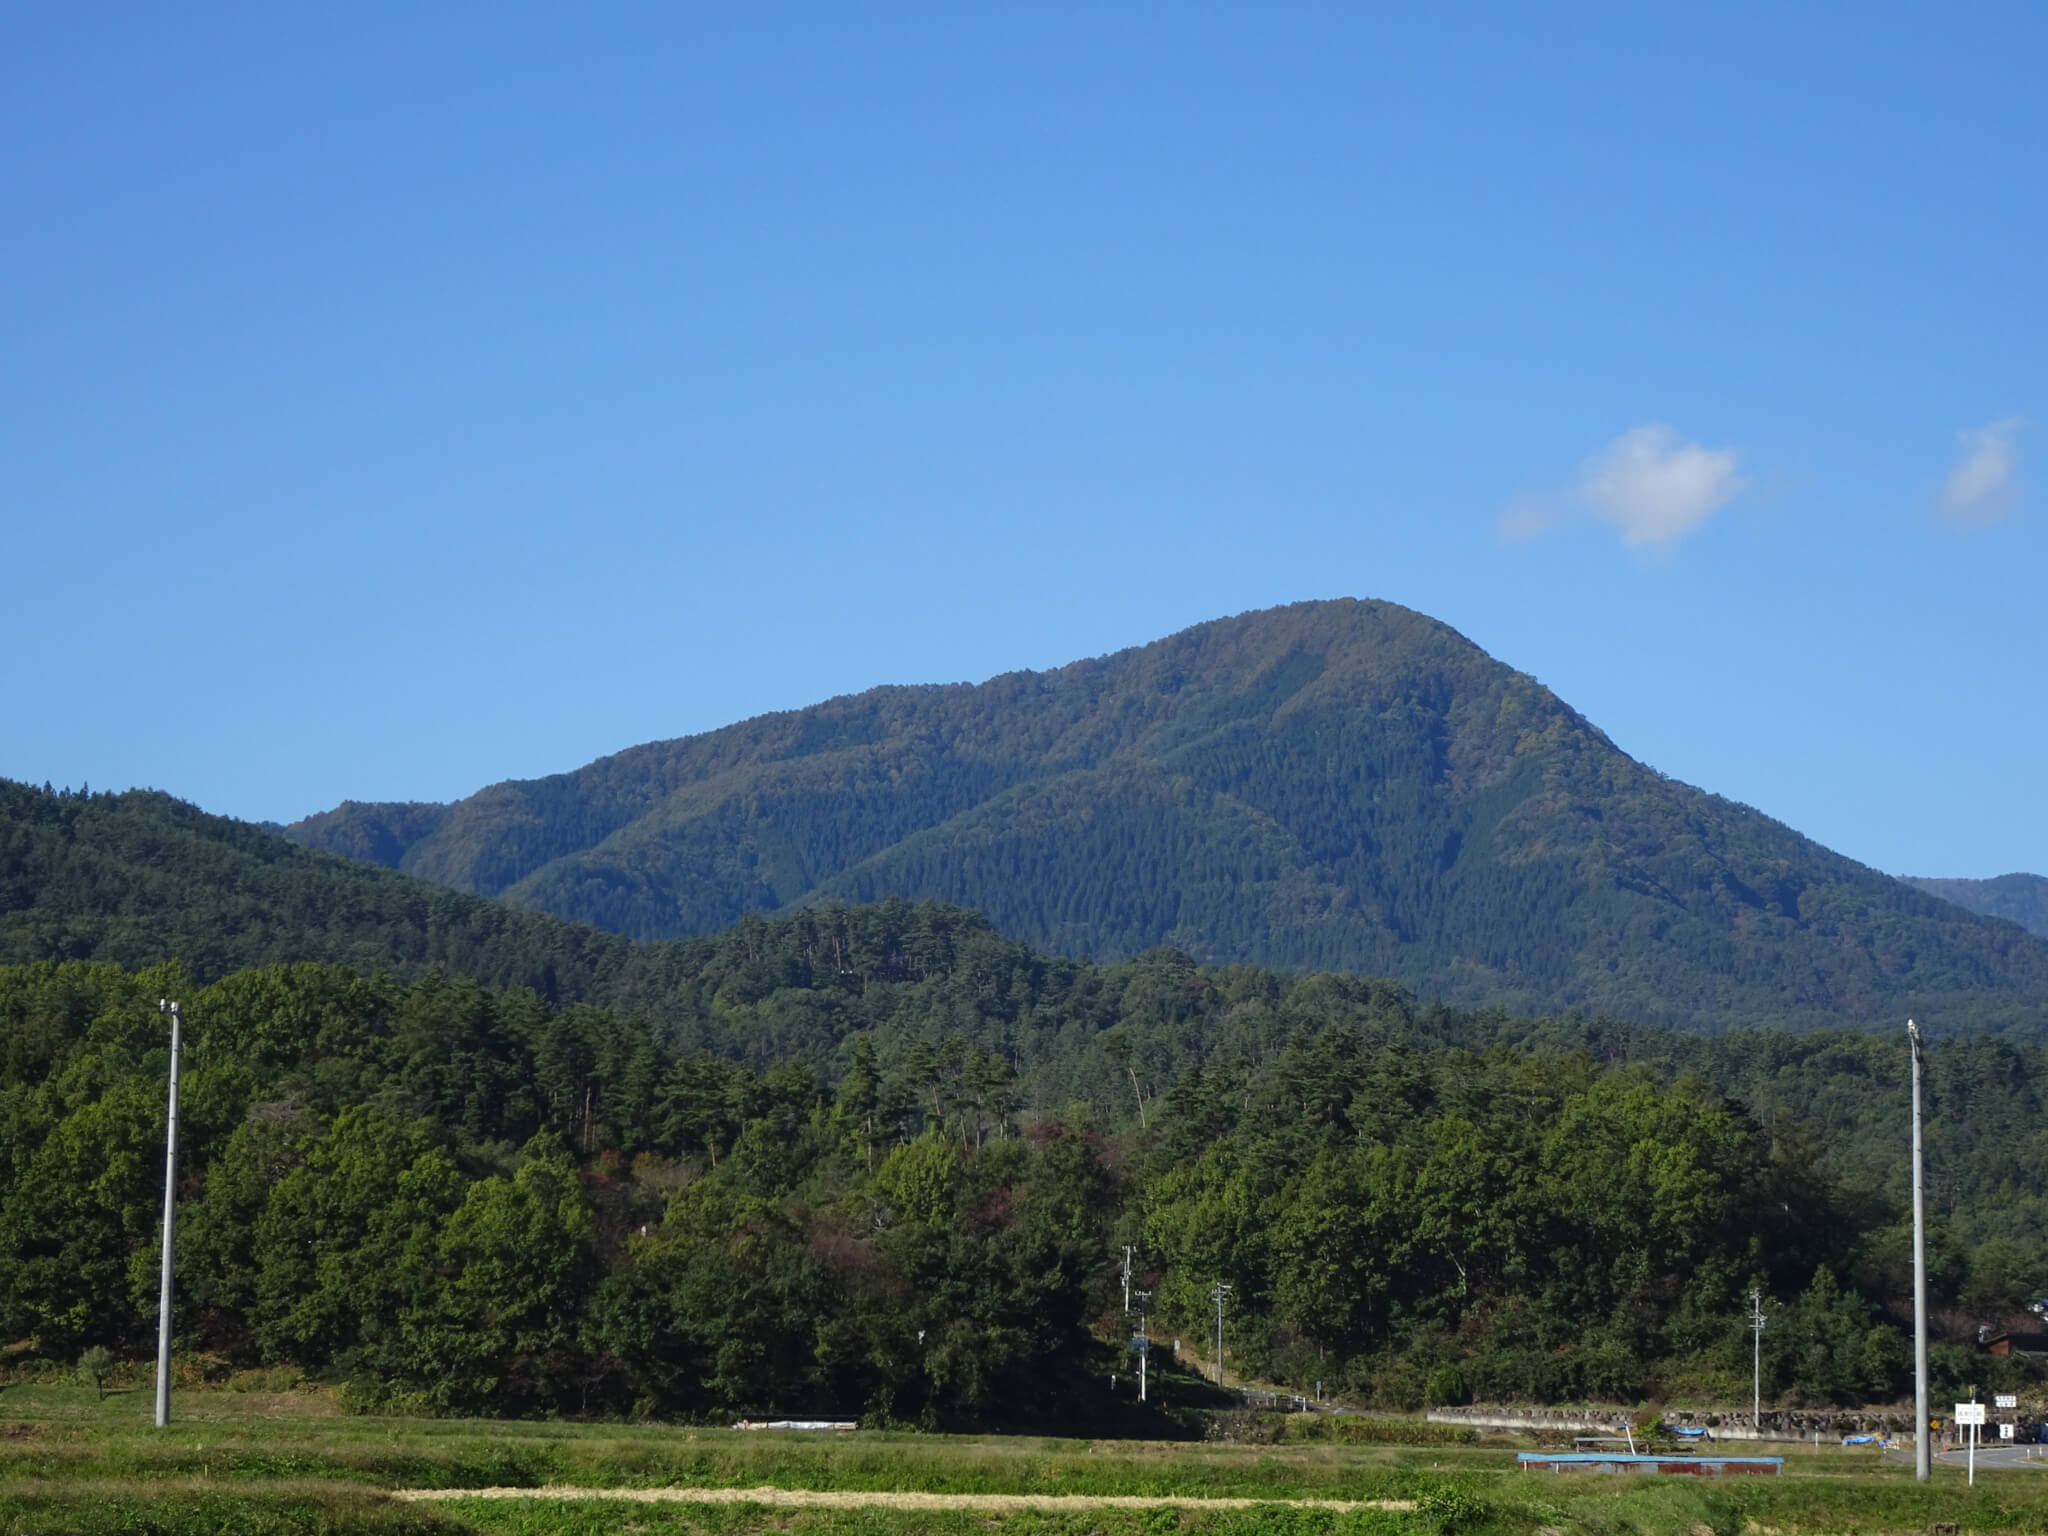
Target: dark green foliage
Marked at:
875, 1161
1346, 785
140, 878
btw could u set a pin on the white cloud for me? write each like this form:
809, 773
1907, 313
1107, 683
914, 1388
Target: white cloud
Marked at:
1984, 487
1649, 483
1656, 488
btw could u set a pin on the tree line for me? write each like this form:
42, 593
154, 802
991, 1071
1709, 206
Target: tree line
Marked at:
876, 1161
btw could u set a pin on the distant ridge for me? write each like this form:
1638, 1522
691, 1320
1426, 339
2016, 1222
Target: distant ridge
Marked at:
1341, 785
2021, 899
140, 879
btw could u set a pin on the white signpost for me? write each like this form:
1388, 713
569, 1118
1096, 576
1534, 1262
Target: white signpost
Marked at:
2005, 1431
2006, 1400
1972, 1416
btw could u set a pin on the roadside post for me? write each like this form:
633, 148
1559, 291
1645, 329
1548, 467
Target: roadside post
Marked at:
1971, 1416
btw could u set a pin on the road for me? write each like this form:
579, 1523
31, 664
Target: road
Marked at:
1994, 1453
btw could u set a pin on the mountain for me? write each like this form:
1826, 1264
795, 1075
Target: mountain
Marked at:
140, 879
2021, 899
1341, 785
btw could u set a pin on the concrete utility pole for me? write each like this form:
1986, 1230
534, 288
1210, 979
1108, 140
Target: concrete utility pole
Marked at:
1144, 1339
1219, 1293
1127, 1279
1756, 1360
1923, 1449
163, 1299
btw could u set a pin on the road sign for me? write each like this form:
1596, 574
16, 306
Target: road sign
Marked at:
2005, 1431
2006, 1400
1969, 1413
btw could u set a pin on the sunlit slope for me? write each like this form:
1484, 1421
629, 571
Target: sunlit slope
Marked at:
1346, 784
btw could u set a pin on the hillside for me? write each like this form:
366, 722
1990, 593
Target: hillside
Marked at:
2021, 899
431, 1185
141, 879
1344, 785
468, 1199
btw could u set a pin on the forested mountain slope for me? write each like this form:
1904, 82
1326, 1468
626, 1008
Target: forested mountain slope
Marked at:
1343, 785
817, 1117
2021, 899
140, 879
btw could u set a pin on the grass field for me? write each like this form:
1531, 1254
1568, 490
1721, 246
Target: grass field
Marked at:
252, 1465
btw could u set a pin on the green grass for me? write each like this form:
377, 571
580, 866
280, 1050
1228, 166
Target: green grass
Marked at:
265, 1466
86, 1507
600, 1519
57, 1433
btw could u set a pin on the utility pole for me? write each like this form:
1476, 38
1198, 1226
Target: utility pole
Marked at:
1923, 1450
163, 1300
1218, 1293
1144, 1340
1756, 1360
1127, 1279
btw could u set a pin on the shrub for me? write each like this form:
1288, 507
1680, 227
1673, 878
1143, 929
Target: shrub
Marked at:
1445, 1508
96, 1365
1446, 1388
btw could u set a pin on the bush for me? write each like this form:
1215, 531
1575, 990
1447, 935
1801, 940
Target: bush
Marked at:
274, 1378
1350, 1429
96, 1365
1446, 1388
1244, 1427
1446, 1508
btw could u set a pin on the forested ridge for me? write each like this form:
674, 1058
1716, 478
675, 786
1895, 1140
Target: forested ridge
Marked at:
1329, 786
877, 1160
138, 878
2021, 899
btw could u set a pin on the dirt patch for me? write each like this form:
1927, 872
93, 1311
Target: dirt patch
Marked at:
797, 1498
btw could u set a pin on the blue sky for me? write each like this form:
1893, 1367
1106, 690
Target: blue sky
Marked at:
398, 399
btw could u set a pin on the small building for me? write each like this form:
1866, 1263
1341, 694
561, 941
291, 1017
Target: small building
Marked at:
2032, 1345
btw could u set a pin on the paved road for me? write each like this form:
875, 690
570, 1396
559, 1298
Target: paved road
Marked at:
1995, 1454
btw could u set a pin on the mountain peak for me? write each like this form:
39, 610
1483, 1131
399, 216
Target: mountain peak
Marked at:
1342, 784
